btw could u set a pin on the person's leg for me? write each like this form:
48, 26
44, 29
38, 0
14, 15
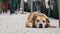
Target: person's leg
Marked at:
18, 6
0, 10
12, 9
6, 7
13, 4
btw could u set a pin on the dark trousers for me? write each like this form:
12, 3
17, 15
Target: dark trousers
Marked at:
12, 7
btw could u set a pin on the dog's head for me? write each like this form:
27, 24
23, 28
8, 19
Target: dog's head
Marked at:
40, 20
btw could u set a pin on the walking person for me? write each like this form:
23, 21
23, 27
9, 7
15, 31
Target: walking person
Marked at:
5, 6
17, 7
12, 7
0, 6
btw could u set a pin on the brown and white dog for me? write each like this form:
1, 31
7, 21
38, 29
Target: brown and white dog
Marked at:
38, 20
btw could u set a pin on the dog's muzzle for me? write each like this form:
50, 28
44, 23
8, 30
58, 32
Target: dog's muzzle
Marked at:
41, 25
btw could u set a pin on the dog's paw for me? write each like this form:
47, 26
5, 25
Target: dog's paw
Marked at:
53, 27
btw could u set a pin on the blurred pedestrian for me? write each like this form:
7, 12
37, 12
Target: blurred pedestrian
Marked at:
5, 6
0, 6
17, 7
13, 5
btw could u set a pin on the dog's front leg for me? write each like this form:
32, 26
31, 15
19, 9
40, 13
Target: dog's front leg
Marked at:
29, 25
50, 26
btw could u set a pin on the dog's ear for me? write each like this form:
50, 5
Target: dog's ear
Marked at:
47, 20
47, 23
34, 17
33, 20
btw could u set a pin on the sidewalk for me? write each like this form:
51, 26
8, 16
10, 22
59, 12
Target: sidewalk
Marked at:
15, 24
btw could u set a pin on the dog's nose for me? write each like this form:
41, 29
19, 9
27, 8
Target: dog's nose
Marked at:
40, 26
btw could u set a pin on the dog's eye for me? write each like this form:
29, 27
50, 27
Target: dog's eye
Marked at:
43, 21
37, 20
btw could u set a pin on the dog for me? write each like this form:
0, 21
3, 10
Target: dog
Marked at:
38, 20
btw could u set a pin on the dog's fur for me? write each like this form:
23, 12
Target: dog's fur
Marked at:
35, 18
